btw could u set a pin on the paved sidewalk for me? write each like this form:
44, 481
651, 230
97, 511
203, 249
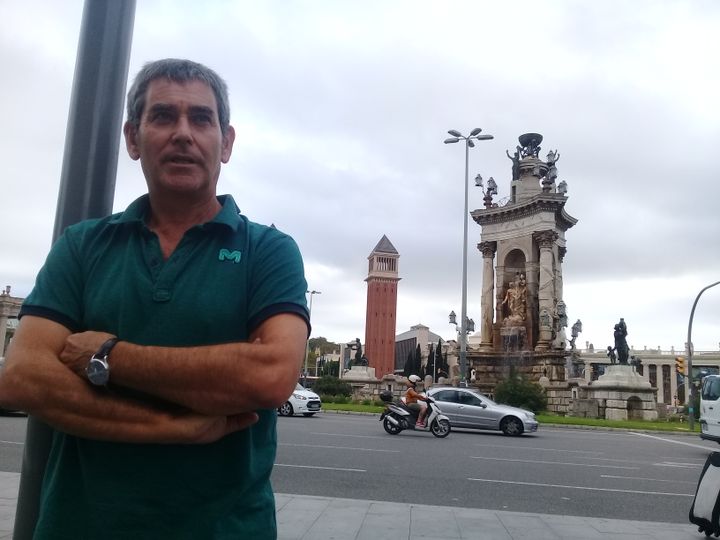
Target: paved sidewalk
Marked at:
303, 517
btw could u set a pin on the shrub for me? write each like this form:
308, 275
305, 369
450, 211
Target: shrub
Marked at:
340, 399
367, 401
326, 398
332, 385
517, 391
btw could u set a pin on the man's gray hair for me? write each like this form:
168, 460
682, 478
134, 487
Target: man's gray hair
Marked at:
179, 71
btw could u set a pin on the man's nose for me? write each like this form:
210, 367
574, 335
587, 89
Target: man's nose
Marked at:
183, 130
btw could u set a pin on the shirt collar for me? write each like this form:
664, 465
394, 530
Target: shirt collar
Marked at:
228, 215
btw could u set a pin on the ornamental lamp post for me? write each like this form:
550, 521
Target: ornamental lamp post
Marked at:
457, 137
307, 343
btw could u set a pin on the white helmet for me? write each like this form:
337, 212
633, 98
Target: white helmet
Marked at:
414, 379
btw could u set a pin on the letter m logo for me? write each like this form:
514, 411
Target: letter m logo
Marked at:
227, 255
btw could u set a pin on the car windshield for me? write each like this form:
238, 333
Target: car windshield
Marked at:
299, 386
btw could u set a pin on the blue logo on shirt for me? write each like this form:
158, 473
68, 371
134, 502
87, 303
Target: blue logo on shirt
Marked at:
226, 255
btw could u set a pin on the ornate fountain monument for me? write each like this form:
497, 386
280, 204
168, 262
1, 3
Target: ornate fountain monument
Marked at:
522, 242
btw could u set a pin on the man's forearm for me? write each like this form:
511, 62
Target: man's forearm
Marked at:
216, 379
222, 379
69, 404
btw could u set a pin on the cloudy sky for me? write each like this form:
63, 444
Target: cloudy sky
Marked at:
341, 108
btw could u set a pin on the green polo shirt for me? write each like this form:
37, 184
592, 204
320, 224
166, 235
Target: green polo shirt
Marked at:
224, 279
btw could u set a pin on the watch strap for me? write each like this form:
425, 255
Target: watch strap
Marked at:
105, 348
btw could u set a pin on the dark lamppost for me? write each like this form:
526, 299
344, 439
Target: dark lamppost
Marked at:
307, 344
469, 328
690, 385
457, 137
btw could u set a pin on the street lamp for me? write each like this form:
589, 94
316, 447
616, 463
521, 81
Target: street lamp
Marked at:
691, 386
307, 343
457, 137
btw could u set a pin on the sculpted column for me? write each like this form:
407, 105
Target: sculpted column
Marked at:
558, 271
546, 287
486, 302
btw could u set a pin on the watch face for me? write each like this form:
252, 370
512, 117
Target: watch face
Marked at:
98, 371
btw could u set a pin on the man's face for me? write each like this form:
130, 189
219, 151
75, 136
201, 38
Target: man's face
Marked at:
179, 142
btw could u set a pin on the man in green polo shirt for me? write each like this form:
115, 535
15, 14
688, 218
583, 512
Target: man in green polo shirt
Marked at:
159, 341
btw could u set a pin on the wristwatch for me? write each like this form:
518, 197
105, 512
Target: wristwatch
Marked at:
98, 369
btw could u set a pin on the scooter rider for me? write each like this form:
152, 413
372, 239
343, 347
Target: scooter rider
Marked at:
415, 401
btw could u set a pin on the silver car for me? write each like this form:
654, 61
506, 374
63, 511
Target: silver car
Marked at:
468, 408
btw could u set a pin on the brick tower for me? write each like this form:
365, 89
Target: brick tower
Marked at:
381, 307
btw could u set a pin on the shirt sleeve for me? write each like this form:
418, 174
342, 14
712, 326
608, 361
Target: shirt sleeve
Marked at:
57, 294
277, 279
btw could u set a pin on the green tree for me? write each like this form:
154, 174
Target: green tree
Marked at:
332, 386
518, 391
417, 361
407, 369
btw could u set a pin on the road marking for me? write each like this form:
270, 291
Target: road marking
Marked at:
12, 442
322, 468
538, 448
583, 487
691, 445
554, 463
679, 465
349, 435
651, 479
340, 447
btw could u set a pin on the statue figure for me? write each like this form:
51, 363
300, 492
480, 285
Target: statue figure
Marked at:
611, 354
575, 330
516, 301
532, 148
561, 315
357, 361
515, 158
621, 346
552, 157
492, 186
562, 187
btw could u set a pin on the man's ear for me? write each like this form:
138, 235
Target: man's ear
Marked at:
227, 144
131, 142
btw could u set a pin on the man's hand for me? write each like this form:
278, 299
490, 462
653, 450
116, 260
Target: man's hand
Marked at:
80, 347
202, 429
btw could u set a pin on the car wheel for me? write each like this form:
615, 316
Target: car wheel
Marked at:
308, 413
285, 409
440, 428
512, 426
391, 428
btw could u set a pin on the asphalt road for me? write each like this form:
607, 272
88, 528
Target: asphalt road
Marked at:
613, 474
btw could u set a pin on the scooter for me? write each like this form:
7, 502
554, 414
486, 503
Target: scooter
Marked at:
397, 417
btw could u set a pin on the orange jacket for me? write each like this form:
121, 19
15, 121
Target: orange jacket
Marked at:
411, 396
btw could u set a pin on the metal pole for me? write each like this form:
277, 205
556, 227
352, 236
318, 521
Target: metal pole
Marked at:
689, 352
463, 308
307, 343
87, 181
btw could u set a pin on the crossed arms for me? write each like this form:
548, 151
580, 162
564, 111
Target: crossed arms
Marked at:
157, 394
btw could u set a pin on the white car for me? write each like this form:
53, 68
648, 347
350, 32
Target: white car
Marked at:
302, 401
468, 408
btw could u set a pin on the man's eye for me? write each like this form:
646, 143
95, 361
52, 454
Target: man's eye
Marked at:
161, 116
202, 119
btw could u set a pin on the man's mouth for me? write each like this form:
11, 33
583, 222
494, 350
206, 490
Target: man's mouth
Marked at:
181, 160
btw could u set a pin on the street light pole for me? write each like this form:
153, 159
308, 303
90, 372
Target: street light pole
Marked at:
456, 137
688, 345
307, 343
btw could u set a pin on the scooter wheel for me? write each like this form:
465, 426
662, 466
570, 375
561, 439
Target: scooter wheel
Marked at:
391, 428
440, 428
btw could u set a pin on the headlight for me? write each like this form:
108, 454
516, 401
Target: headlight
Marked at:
298, 396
